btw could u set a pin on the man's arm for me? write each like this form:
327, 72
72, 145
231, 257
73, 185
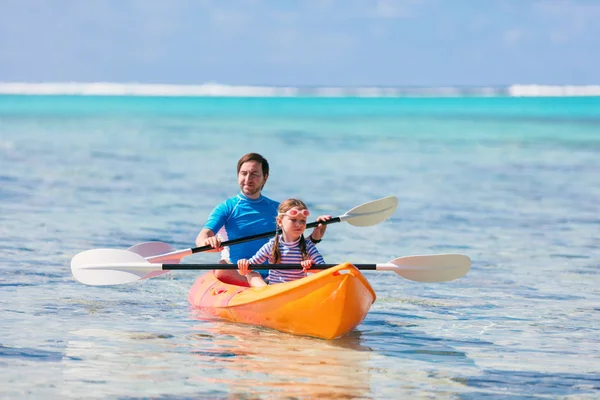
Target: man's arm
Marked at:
203, 235
206, 237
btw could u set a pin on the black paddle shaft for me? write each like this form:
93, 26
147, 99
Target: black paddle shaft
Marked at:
261, 236
171, 267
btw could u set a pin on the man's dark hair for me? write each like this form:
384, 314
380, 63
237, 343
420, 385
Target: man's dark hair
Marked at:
254, 157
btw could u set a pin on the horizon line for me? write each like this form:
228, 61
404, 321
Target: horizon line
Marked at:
212, 89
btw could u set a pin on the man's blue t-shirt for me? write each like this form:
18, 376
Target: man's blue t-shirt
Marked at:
241, 217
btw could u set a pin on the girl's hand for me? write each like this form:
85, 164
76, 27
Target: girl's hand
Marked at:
243, 265
306, 264
319, 231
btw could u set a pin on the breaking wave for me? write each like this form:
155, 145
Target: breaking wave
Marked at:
220, 90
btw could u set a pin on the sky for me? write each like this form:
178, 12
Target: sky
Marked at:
302, 42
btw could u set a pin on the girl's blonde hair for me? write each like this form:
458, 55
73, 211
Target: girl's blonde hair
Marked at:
284, 207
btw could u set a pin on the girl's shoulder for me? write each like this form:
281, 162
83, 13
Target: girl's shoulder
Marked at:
269, 243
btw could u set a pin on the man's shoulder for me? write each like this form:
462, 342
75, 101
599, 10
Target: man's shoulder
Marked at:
226, 206
271, 201
230, 201
241, 203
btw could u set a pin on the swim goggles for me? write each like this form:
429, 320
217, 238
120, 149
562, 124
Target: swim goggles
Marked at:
294, 212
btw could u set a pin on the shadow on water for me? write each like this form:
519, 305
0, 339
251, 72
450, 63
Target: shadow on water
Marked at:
30, 354
405, 342
502, 384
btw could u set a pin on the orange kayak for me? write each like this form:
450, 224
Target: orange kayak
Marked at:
327, 304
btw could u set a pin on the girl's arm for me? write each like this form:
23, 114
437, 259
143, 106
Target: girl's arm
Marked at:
262, 254
314, 254
317, 234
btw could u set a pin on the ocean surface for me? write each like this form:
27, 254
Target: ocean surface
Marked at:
514, 183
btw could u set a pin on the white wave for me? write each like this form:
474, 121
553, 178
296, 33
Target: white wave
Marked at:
141, 89
553, 91
214, 89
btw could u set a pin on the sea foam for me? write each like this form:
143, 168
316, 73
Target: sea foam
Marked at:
220, 90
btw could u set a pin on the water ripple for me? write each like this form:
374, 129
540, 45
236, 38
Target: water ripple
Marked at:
518, 195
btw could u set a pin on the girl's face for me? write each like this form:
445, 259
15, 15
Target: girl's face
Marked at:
293, 221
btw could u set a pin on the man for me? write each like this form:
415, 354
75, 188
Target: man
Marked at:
246, 214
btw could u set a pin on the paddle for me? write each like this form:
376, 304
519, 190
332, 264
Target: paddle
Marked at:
366, 214
114, 267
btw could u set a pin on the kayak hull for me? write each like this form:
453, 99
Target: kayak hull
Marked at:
327, 304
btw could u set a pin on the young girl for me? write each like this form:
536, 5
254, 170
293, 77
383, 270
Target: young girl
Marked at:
287, 247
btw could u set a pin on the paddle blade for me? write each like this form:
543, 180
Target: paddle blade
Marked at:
149, 249
109, 267
371, 213
432, 268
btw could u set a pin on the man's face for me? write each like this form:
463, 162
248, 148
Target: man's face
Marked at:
251, 179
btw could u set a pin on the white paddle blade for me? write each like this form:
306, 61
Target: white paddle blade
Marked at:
150, 249
106, 267
160, 252
431, 268
371, 213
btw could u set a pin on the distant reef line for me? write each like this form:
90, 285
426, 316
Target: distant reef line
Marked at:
221, 90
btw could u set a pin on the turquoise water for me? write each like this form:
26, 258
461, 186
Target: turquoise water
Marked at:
513, 183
